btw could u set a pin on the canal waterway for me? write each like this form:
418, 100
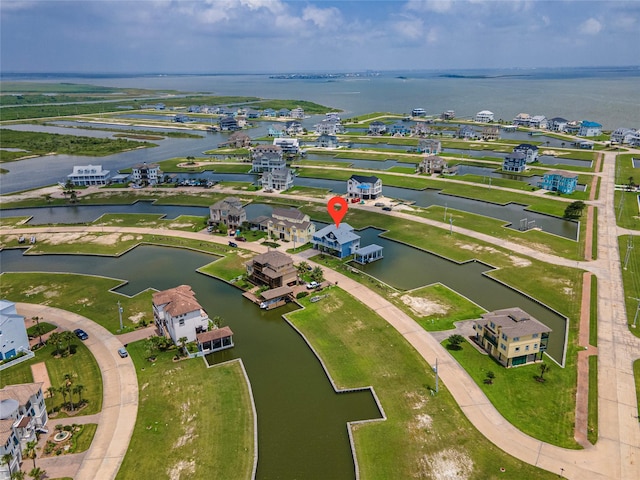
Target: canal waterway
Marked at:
301, 420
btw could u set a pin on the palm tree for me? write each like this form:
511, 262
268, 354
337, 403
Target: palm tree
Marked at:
55, 339
317, 275
78, 390
37, 473
30, 451
38, 329
68, 337
51, 391
302, 267
17, 475
183, 344
6, 459
63, 390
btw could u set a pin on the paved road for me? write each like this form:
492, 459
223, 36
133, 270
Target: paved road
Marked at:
119, 405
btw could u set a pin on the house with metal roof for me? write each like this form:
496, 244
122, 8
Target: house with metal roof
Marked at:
364, 187
512, 336
338, 241
589, 129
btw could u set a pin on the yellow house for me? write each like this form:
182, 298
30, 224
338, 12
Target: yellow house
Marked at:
512, 336
291, 225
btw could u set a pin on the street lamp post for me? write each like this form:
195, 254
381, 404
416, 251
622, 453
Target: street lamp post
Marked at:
120, 315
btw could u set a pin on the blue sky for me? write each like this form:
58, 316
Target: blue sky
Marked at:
225, 36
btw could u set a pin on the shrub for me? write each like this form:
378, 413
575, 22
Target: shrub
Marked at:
301, 295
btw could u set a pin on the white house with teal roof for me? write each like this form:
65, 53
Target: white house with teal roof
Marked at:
589, 129
337, 241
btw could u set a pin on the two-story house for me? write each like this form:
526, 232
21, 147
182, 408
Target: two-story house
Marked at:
327, 141
530, 151
329, 126
432, 164
377, 128
484, 116
429, 146
274, 269
364, 187
512, 336
177, 312
13, 333
589, 129
85, 175
559, 181
337, 241
278, 179
291, 225
289, 146
515, 162
228, 211
146, 174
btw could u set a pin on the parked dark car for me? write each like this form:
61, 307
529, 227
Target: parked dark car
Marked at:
81, 334
241, 239
233, 244
386, 209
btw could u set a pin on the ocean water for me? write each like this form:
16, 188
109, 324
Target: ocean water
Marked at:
605, 95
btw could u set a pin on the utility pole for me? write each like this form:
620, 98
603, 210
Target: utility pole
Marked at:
629, 248
435, 369
120, 315
635, 318
621, 203
450, 224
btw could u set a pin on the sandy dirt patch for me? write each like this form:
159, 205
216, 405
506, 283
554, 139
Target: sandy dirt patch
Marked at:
477, 248
519, 261
35, 290
187, 421
183, 466
137, 317
424, 307
177, 226
449, 464
84, 301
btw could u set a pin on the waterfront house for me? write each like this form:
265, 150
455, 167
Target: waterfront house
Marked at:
214, 340
275, 297
377, 128
22, 413
512, 336
538, 121
177, 312
559, 181
490, 133
364, 187
146, 174
432, 164
332, 116
293, 127
572, 127
276, 131
399, 129
265, 158
274, 269
329, 126
238, 140
368, 254
418, 112
466, 132
181, 118
557, 124
623, 135
289, 146
484, 116
420, 129
448, 115
589, 129
228, 123
530, 151
277, 179
337, 241
284, 112
522, 120
252, 113
269, 112
291, 225
13, 333
228, 211
429, 146
327, 141
515, 162
297, 113
85, 175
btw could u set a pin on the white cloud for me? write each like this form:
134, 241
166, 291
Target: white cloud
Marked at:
410, 27
590, 27
322, 17
438, 6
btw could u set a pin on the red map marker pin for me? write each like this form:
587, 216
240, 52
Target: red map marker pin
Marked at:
338, 214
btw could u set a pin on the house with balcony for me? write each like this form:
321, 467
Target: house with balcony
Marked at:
377, 128
559, 181
277, 179
432, 164
289, 146
484, 116
515, 162
22, 413
327, 141
624, 135
557, 124
269, 112
86, 175
522, 120
512, 336
448, 115
265, 158
293, 128
284, 112
276, 131
530, 151
466, 132
490, 133
339, 241
291, 225
228, 123
538, 121
273, 269
238, 140
228, 211
418, 112
329, 126
429, 146
399, 129
364, 187
146, 174
177, 312
421, 129
589, 129
13, 333
297, 113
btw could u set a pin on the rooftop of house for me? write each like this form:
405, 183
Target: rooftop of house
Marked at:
273, 258
514, 322
342, 234
20, 392
178, 300
215, 334
289, 214
561, 173
588, 124
364, 179
276, 292
525, 146
516, 156
227, 203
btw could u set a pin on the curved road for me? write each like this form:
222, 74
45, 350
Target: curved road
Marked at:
617, 452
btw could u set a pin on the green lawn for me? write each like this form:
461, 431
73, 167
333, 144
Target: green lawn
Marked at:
592, 423
544, 410
193, 421
421, 431
81, 365
81, 441
189, 223
631, 281
630, 216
